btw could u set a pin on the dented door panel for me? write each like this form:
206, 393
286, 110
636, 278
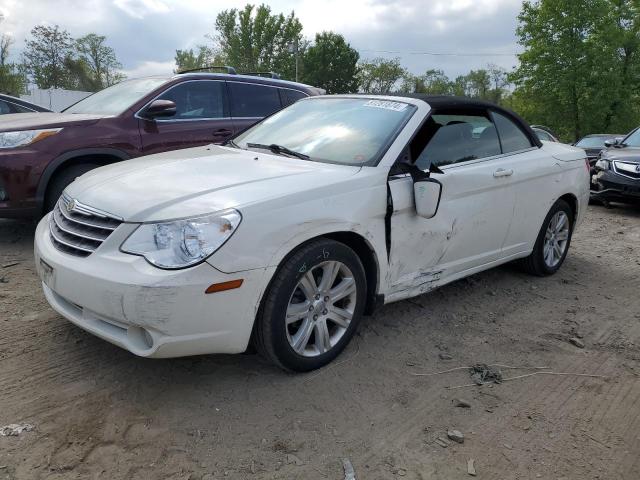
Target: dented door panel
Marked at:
468, 231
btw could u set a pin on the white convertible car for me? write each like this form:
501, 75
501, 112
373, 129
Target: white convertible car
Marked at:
293, 231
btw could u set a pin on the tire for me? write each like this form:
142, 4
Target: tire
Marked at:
538, 262
276, 336
61, 180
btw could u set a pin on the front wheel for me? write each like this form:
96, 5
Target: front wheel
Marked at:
62, 180
552, 244
312, 307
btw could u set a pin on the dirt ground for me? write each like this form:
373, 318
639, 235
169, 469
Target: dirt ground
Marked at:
100, 412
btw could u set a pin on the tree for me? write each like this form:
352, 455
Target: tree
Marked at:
331, 63
432, 82
46, 54
202, 57
79, 76
12, 77
100, 61
380, 75
617, 37
560, 76
499, 79
253, 39
5, 44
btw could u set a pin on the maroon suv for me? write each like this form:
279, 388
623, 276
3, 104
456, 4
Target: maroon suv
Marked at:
41, 153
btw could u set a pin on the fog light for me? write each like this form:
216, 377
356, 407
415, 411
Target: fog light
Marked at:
147, 338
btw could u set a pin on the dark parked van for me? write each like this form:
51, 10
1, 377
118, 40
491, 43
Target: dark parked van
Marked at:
41, 153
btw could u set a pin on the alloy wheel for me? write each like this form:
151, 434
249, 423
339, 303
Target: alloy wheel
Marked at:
321, 308
556, 239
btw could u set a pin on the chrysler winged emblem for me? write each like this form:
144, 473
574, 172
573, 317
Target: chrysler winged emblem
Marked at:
71, 205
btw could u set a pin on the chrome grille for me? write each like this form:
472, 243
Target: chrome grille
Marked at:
78, 229
627, 169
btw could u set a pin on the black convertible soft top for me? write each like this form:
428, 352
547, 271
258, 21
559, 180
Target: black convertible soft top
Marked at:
449, 102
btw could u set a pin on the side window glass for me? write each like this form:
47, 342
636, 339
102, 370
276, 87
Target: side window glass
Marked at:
197, 100
448, 138
15, 108
4, 107
512, 137
250, 100
290, 96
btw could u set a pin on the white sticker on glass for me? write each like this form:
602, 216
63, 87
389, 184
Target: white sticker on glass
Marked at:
387, 105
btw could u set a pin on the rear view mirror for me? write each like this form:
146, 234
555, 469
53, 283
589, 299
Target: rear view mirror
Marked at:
610, 143
160, 109
427, 194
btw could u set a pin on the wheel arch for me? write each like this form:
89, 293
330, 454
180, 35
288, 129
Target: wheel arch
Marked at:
362, 248
572, 200
101, 156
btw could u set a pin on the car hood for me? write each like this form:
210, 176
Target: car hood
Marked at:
592, 151
626, 154
198, 181
38, 120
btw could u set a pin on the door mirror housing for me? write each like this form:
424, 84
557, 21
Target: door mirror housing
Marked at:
159, 109
427, 193
612, 142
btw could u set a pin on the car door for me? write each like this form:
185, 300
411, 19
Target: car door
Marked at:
536, 179
251, 102
202, 117
476, 203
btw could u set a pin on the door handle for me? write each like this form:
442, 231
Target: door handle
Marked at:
501, 172
222, 132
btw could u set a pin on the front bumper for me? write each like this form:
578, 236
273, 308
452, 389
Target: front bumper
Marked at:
148, 311
608, 185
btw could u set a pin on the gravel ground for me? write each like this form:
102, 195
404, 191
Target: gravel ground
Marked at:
99, 412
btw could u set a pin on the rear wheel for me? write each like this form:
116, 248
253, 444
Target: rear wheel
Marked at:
312, 307
552, 244
61, 180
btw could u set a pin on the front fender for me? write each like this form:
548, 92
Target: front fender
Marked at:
271, 230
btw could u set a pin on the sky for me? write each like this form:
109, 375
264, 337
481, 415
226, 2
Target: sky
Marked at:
146, 33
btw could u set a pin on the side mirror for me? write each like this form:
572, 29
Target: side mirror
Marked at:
159, 109
610, 143
427, 194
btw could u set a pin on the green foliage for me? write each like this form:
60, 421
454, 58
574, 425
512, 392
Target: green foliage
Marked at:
579, 71
380, 75
253, 39
331, 63
12, 79
55, 60
432, 82
97, 62
46, 55
190, 59
487, 84
12, 75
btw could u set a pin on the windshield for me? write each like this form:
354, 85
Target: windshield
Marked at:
117, 98
633, 140
348, 131
592, 142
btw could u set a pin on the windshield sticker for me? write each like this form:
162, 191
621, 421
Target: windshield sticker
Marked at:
387, 105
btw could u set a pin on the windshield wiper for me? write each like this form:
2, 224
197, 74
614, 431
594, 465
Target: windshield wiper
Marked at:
279, 150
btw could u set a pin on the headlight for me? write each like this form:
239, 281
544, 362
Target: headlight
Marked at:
25, 137
602, 164
182, 243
